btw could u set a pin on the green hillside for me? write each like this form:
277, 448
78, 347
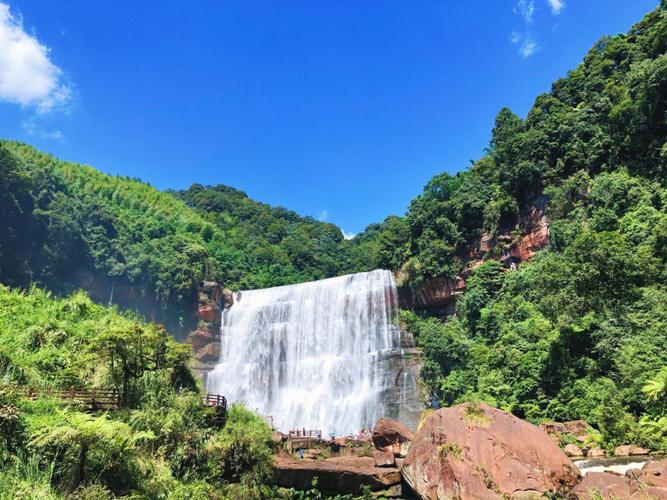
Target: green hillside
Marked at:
161, 443
68, 226
581, 331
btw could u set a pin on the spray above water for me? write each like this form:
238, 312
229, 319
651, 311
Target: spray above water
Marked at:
319, 355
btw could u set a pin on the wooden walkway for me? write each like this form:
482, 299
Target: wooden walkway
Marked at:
303, 433
91, 399
109, 400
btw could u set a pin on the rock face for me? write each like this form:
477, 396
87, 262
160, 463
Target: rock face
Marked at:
210, 353
432, 293
392, 436
205, 340
346, 475
440, 293
476, 451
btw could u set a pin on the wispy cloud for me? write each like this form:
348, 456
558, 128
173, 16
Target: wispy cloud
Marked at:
526, 9
322, 215
524, 39
27, 75
33, 128
556, 6
528, 48
527, 44
348, 236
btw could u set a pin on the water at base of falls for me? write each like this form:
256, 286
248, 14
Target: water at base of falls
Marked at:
321, 355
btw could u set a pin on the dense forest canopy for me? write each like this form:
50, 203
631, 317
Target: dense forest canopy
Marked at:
68, 226
579, 332
604, 116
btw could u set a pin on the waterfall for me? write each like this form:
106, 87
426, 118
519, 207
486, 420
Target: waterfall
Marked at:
315, 355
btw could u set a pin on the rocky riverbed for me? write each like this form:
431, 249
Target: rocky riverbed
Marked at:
469, 451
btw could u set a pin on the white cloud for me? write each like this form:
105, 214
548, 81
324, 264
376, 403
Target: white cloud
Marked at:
515, 37
526, 9
27, 75
348, 236
32, 128
528, 48
556, 6
323, 215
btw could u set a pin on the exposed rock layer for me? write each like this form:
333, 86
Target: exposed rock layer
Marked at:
476, 451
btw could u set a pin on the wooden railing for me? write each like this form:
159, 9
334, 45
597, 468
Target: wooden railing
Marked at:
305, 433
92, 399
105, 399
215, 400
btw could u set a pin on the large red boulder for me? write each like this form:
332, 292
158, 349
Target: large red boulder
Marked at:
476, 451
392, 436
602, 485
654, 474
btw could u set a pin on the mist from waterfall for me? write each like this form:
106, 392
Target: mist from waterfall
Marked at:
314, 355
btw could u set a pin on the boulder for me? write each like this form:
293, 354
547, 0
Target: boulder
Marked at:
476, 451
654, 474
595, 452
650, 493
384, 458
602, 485
629, 450
209, 353
392, 436
575, 427
572, 450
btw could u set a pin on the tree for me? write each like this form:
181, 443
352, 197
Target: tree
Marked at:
82, 435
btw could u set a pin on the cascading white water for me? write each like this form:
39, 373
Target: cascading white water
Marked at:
313, 355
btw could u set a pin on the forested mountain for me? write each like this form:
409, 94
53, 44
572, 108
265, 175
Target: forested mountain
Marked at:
608, 115
67, 226
580, 331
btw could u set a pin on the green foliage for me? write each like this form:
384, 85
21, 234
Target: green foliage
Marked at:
27, 478
242, 451
578, 333
593, 140
67, 226
449, 450
161, 444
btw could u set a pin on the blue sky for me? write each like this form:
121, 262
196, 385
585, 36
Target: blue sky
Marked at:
337, 109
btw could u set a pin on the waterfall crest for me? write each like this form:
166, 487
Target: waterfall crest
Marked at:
316, 355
